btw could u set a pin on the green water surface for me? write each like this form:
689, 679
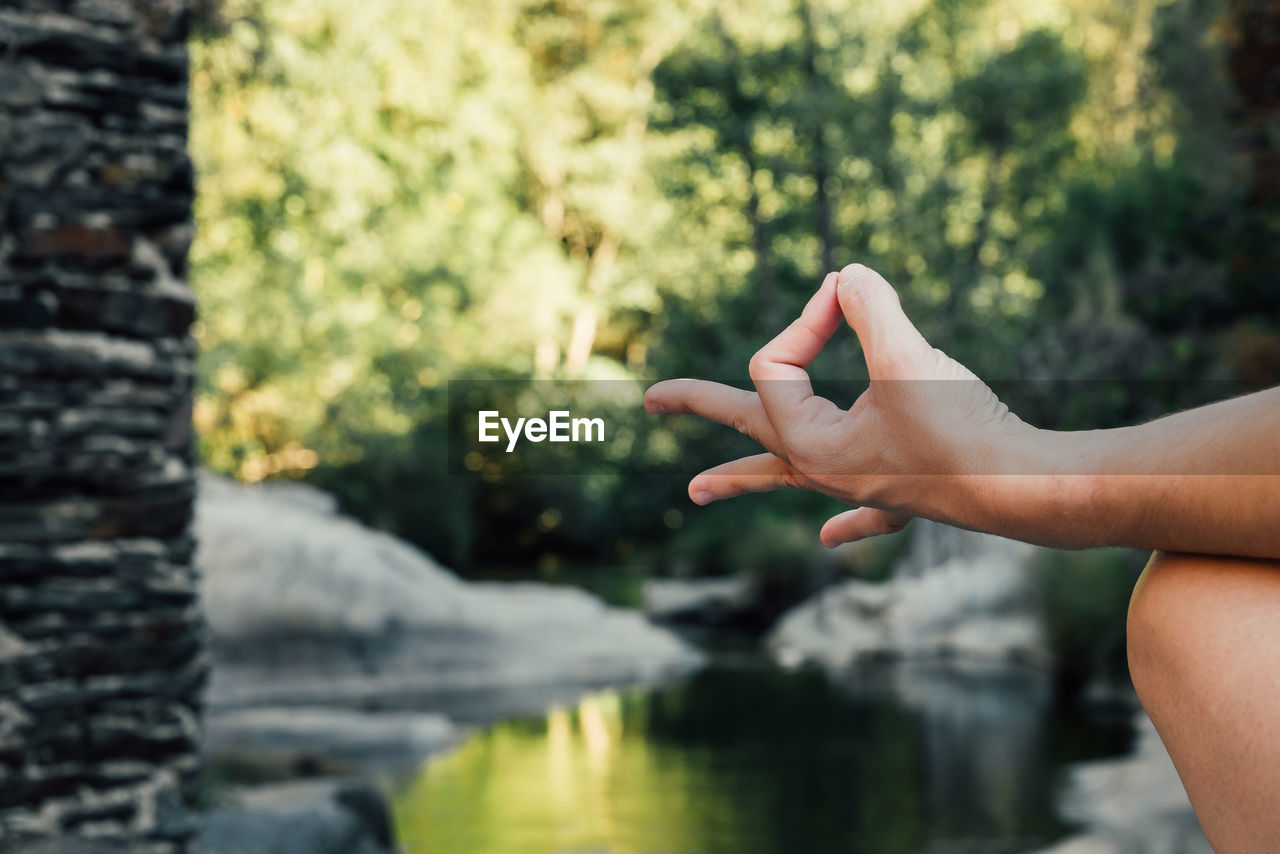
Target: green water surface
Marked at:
748, 760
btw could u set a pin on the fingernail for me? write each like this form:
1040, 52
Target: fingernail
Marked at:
702, 497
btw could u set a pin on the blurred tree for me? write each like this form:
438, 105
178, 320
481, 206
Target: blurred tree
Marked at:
396, 193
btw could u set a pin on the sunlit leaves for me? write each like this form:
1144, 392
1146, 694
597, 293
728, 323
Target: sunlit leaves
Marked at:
395, 193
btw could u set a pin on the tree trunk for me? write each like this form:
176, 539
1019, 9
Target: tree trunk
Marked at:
741, 143
1254, 39
824, 220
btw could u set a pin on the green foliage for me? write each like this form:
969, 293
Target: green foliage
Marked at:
1084, 597
396, 193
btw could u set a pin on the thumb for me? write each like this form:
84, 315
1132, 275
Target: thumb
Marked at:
889, 340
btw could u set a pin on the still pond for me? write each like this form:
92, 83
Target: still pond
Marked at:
752, 759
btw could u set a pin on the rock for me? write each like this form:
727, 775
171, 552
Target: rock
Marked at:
308, 607
335, 740
70, 845
971, 605
703, 601
101, 643
1086, 843
1132, 805
302, 819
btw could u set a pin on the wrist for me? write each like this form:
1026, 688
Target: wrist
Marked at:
1045, 487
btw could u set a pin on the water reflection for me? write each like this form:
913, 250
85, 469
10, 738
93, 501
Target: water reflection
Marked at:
761, 760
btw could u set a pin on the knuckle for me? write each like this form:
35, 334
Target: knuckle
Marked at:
830, 483
756, 365
893, 359
893, 524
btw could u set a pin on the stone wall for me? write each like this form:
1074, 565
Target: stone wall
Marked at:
101, 645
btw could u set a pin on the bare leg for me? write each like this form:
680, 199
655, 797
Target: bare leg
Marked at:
1204, 651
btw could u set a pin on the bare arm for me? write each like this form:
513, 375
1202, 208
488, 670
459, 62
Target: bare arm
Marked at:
928, 438
1206, 480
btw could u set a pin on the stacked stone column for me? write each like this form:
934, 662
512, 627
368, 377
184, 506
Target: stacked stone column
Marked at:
101, 646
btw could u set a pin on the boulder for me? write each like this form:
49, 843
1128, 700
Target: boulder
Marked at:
700, 601
325, 818
306, 606
957, 594
63, 845
1133, 804
327, 740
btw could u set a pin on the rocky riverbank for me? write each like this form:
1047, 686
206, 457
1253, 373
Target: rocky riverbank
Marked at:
328, 640
308, 817
960, 600
956, 595
1134, 804
308, 607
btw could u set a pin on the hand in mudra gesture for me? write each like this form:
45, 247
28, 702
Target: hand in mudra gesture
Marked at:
928, 438
905, 447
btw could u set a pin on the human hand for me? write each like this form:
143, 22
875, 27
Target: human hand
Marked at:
908, 446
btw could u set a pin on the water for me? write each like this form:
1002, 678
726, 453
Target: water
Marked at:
751, 759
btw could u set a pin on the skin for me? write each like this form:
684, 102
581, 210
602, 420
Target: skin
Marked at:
928, 438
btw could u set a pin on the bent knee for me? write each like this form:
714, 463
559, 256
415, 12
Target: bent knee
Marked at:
1166, 588
1202, 635
1196, 619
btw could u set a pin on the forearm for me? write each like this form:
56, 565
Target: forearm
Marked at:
1206, 480
928, 438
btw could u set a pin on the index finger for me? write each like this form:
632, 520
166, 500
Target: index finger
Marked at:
724, 404
778, 368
